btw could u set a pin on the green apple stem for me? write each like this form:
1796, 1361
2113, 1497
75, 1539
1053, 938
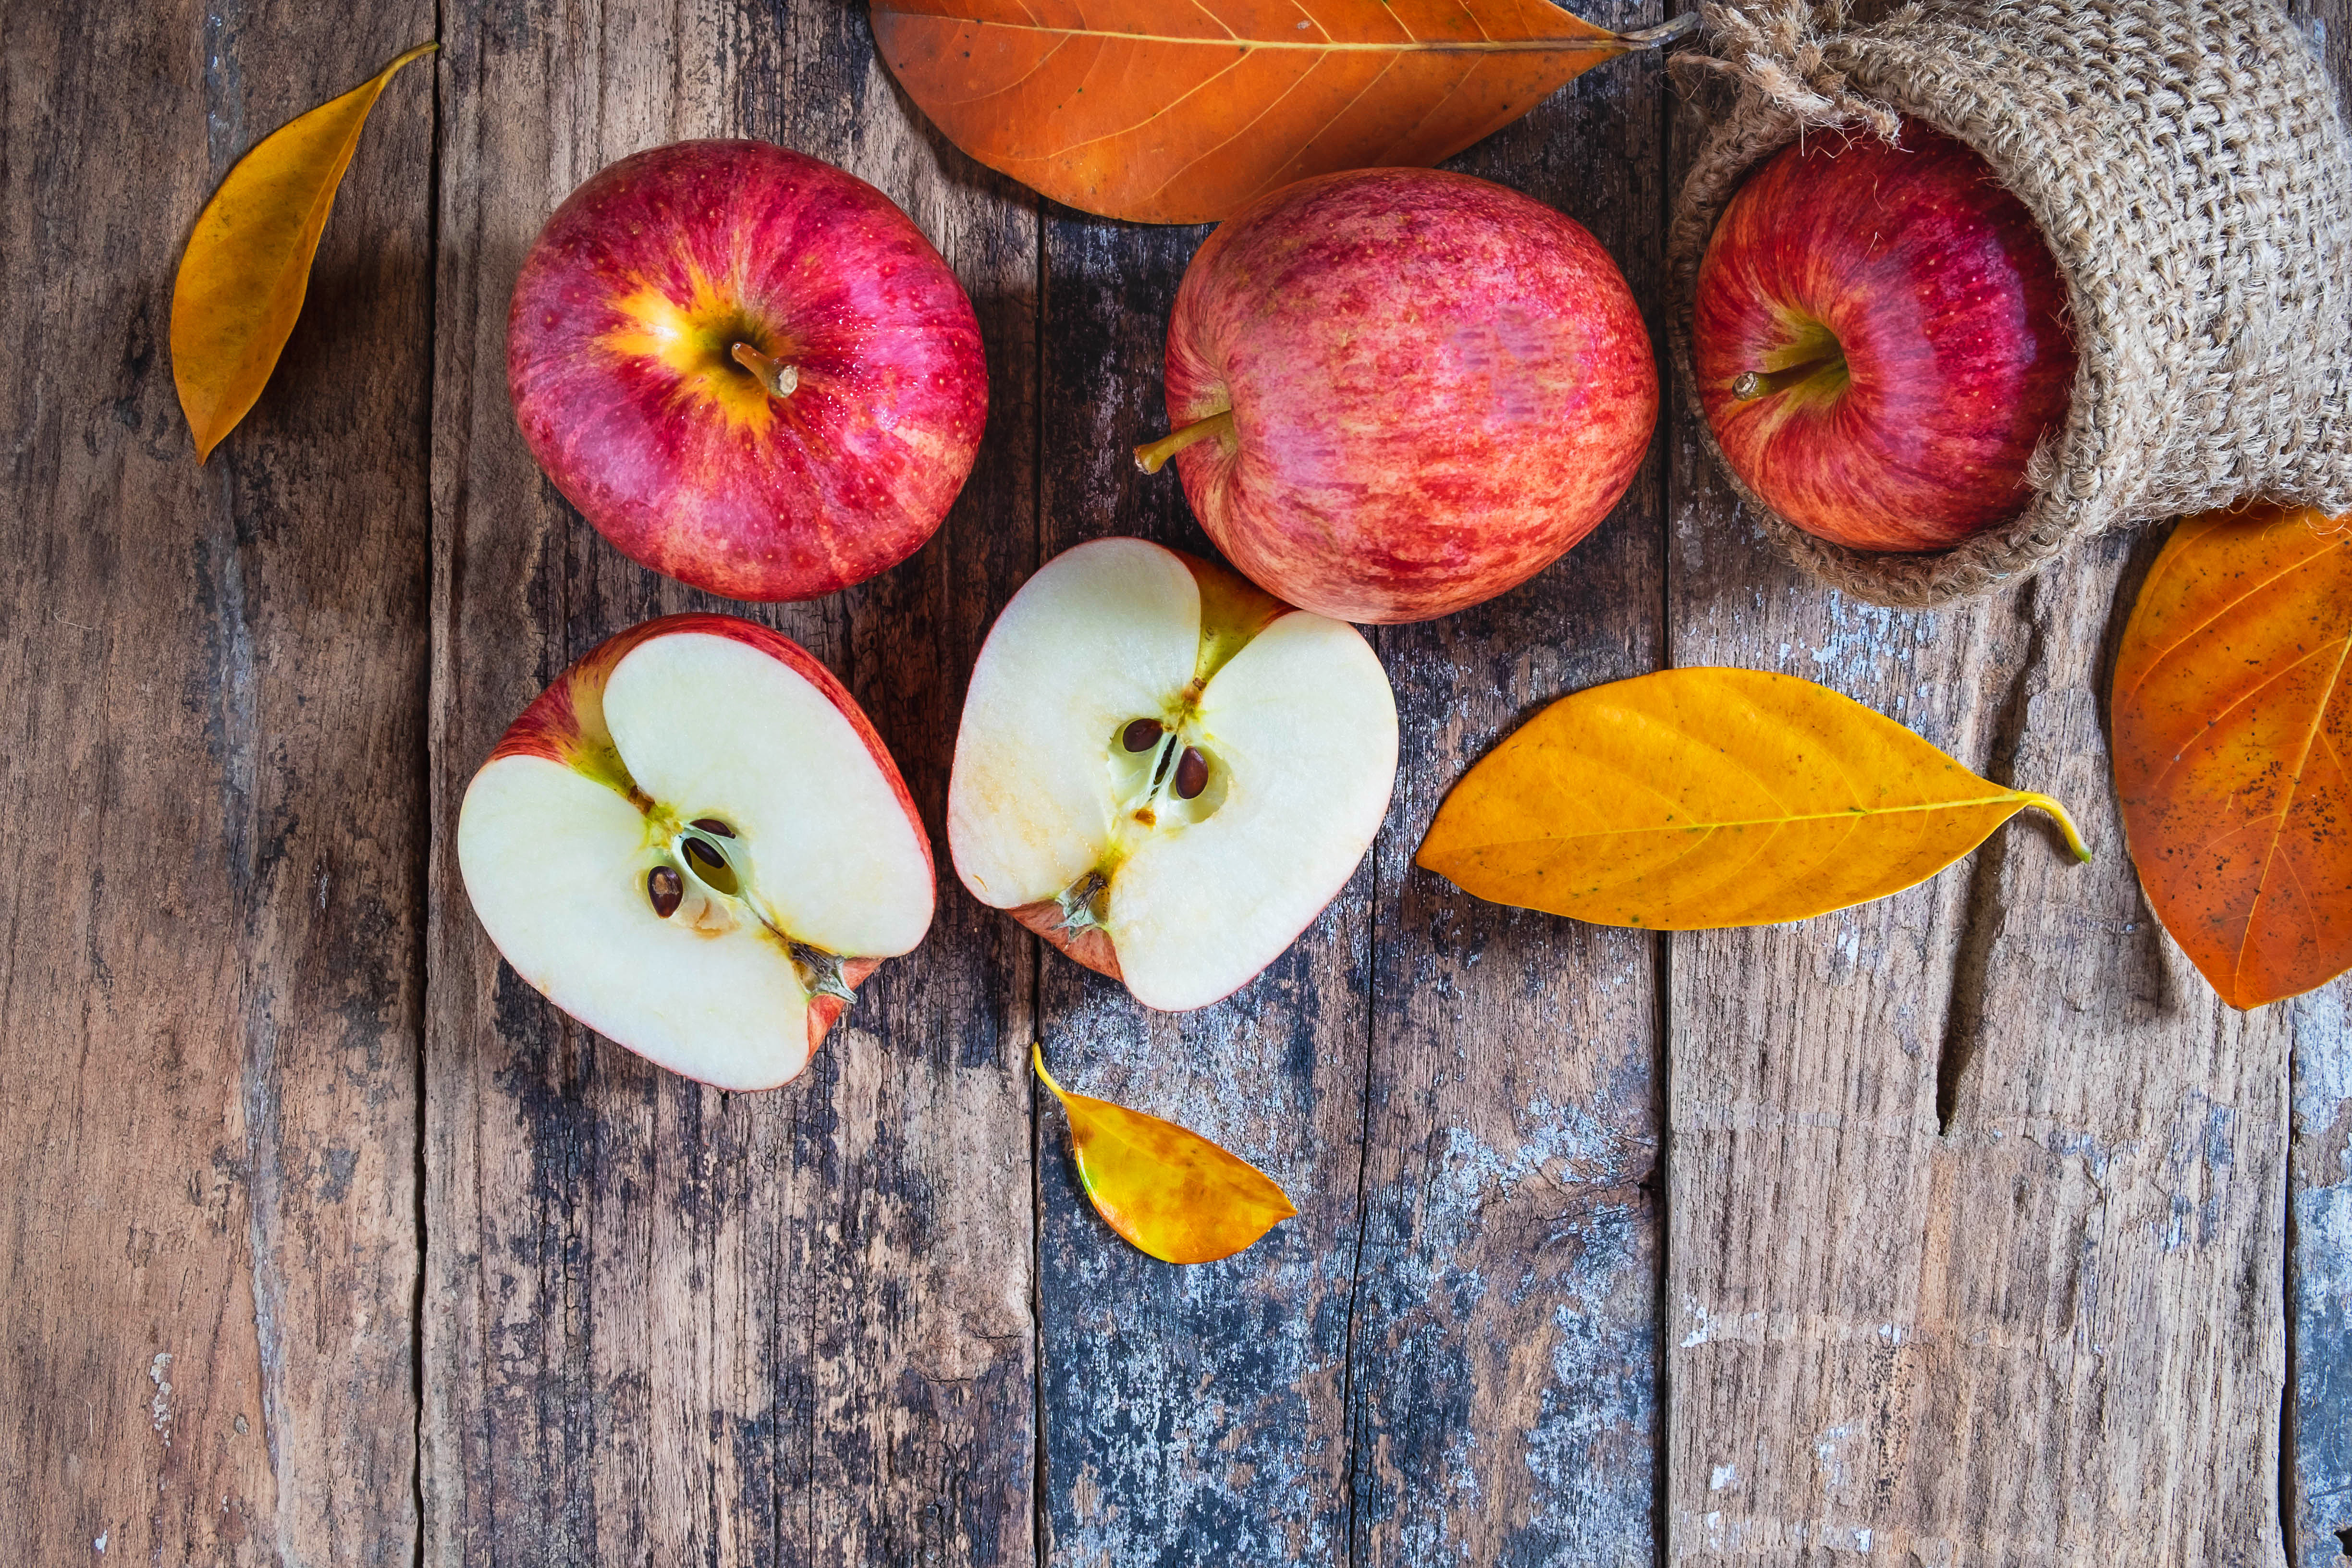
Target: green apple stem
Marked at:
778, 377
1150, 457
1752, 384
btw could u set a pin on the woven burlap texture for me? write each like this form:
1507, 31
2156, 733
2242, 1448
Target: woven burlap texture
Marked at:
2188, 164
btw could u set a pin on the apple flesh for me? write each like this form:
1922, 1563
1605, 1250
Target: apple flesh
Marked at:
1399, 392
695, 844
1880, 340
1165, 772
747, 368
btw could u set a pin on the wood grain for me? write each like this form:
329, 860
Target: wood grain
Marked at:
662, 1323
1464, 1307
1976, 1195
2319, 1283
1200, 1411
211, 830
1976, 1189
2319, 1173
1505, 1347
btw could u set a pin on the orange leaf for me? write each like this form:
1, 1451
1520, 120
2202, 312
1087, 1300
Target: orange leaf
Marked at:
2232, 732
1695, 798
247, 264
1172, 1193
1180, 111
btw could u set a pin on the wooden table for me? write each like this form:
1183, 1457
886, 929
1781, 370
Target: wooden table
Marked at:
1963, 1228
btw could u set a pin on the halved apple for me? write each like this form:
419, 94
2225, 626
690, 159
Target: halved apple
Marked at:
696, 844
1166, 772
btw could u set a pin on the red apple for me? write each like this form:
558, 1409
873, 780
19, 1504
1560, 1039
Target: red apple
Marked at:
1401, 391
747, 368
695, 844
1880, 340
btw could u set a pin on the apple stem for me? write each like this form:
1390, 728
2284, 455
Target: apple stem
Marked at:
778, 377
1150, 457
1752, 384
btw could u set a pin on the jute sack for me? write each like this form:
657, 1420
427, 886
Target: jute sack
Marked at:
2188, 164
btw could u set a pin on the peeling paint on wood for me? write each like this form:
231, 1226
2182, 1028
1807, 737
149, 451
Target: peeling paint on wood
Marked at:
2319, 1276
1191, 1413
1505, 1355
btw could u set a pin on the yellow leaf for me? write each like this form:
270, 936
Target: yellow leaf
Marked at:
247, 264
1172, 1193
1695, 798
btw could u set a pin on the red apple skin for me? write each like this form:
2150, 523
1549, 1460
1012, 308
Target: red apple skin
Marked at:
1951, 314
619, 360
1438, 385
552, 727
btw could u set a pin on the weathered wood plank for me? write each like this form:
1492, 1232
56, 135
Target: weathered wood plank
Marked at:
2319, 1281
1199, 1412
2050, 1330
1505, 1355
1220, 1410
2319, 1179
666, 1323
211, 818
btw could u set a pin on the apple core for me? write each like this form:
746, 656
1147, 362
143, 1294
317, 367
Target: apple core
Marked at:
693, 842
1164, 771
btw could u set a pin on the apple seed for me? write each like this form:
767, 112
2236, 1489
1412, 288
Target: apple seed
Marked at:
664, 889
712, 824
709, 863
1141, 734
1191, 773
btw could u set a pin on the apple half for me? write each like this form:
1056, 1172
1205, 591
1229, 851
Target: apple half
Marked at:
695, 844
1166, 772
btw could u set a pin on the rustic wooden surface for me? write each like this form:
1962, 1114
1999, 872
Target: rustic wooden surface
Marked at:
212, 815
1961, 1229
662, 1323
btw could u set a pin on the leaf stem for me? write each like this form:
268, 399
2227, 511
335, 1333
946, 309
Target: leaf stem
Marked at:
1150, 456
1037, 1060
2065, 823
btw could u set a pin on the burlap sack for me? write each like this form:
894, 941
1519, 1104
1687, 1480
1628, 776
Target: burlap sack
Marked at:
2186, 160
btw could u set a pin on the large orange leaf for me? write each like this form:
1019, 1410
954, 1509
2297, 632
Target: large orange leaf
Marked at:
1695, 798
1180, 111
1169, 1191
2233, 729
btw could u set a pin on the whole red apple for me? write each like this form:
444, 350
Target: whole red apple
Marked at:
747, 368
1401, 391
1880, 340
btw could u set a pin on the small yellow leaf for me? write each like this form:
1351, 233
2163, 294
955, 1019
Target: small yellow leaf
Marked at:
247, 264
1696, 798
1172, 1193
